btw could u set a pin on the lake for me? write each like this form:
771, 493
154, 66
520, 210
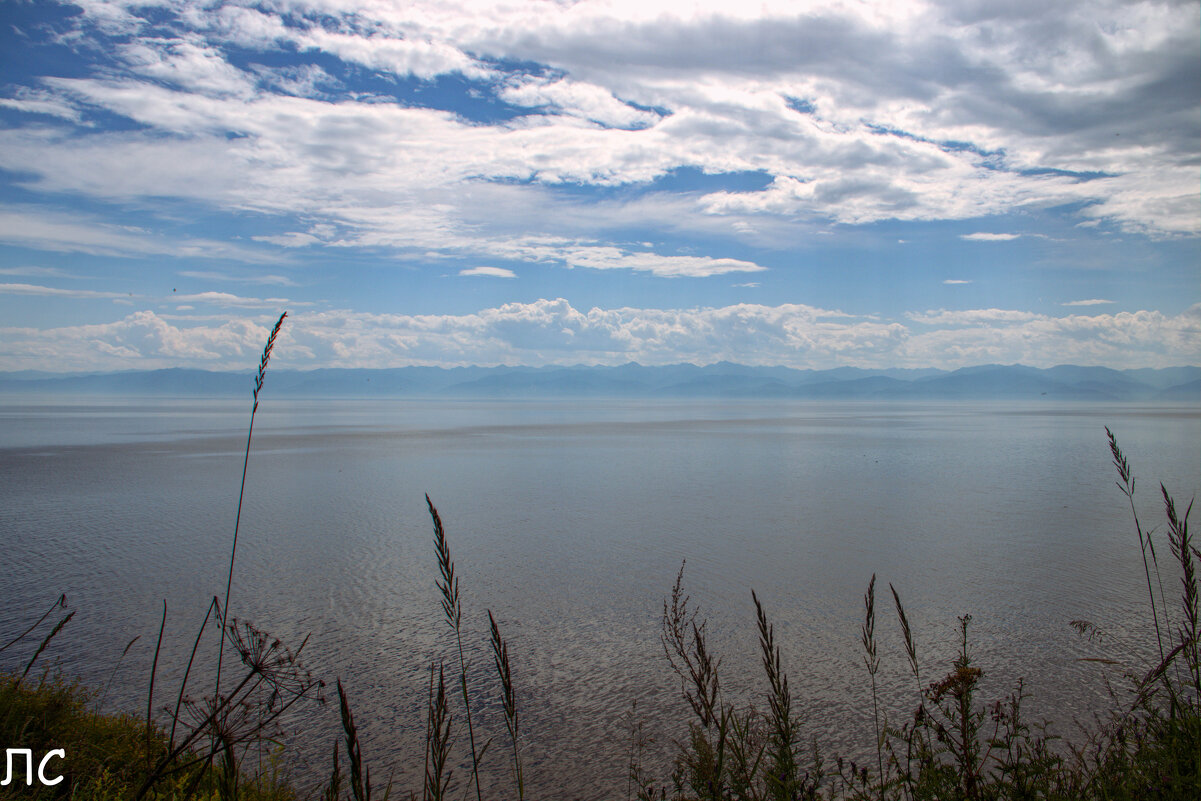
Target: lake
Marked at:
569, 520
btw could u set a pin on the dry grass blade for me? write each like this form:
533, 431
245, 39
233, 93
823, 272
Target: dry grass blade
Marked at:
360, 779
61, 603
868, 632
153, 673
214, 605
437, 775
46, 642
782, 770
1126, 485
872, 659
333, 790
500, 656
1155, 674
910, 649
448, 586
1184, 552
685, 645
258, 379
113, 673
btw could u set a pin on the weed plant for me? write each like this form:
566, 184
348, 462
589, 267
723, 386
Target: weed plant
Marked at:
949, 744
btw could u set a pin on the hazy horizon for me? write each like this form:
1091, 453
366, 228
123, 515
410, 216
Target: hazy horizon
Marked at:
602, 366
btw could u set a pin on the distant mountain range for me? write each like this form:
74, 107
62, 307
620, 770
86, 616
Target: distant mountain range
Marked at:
722, 380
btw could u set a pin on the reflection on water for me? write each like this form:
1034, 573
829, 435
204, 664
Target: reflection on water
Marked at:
569, 521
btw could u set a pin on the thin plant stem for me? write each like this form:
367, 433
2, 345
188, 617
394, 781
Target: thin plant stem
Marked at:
61, 603
154, 672
233, 551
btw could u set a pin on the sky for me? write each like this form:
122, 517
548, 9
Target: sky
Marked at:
543, 182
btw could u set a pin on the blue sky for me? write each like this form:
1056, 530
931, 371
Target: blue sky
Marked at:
539, 182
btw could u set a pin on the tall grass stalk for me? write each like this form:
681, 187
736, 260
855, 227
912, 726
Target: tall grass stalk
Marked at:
1126, 485
223, 611
448, 587
685, 644
183, 684
61, 603
915, 738
782, 774
360, 777
1183, 551
113, 673
871, 659
158, 645
439, 738
500, 656
45, 642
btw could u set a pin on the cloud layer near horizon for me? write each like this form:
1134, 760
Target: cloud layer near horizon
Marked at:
552, 332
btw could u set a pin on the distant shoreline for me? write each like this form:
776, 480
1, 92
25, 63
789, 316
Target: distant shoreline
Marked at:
723, 380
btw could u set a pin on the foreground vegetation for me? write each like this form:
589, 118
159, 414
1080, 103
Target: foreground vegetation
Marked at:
221, 743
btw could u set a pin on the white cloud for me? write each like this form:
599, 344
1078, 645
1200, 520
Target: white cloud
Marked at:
610, 258
44, 229
34, 101
1089, 302
229, 300
552, 331
39, 272
190, 65
140, 340
956, 281
422, 58
292, 239
987, 237
495, 272
944, 317
209, 275
915, 112
588, 101
46, 291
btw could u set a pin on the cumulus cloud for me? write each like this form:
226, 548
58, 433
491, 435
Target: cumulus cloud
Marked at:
553, 331
143, 339
971, 317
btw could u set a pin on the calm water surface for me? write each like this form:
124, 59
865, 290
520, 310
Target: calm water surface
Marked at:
570, 520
